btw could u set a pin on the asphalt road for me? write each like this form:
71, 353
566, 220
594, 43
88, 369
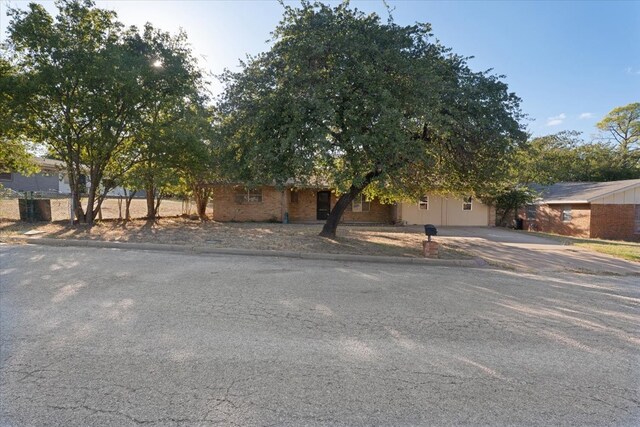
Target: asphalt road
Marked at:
114, 337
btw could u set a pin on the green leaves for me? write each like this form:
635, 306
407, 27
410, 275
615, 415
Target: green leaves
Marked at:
100, 96
622, 125
342, 94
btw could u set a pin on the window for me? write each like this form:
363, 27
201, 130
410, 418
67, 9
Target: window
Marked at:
5, 176
424, 203
467, 203
294, 197
248, 196
637, 225
531, 212
360, 204
566, 213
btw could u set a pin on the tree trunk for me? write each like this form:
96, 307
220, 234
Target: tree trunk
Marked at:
151, 202
329, 228
127, 208
98, 210
201, 195
89, 212
119, 208
76, 201
331, 225
156, 209
77, 207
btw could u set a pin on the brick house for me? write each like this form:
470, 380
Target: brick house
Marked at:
269, 204
312, 204
605, 210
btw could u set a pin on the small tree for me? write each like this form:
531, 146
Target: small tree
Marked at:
79, 93
14, 156
96, 94
367, 106
198, 162
622, 125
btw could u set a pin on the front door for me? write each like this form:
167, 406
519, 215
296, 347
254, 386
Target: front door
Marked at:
323, 205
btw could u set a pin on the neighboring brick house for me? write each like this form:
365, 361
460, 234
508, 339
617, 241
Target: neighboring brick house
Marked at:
269, 204
605, 210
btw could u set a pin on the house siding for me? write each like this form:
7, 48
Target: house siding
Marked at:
46, 182
305, 209
444, 211
225, 208
275, 203
549, 220
613, 221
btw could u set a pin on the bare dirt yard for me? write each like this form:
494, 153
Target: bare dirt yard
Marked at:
112, 208
361, 240
176, 227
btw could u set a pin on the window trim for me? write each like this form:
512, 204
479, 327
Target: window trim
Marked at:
424, 201
637, 221
563, 215
360, 204
248, 196
527, 211
466, 203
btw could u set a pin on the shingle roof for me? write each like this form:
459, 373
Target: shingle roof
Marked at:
581, 192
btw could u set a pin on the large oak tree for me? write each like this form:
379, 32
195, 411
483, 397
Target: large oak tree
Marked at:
367, 107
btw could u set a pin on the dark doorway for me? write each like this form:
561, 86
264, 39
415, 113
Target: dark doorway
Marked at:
323, 205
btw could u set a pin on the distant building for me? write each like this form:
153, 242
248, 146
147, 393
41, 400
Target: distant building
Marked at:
48, 180
52, 179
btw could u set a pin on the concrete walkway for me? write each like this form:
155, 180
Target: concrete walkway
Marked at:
526, 252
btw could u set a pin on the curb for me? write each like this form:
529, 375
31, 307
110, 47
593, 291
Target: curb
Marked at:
476, 262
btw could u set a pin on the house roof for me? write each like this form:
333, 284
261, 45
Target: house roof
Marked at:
45, 163
581, 192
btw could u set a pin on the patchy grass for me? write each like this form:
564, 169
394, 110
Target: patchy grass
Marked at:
628, 251
361, 240
620, 249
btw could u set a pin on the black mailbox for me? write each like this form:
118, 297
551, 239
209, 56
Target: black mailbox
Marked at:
430, 230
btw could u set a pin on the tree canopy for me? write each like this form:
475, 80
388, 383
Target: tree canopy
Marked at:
366, 106
96, 93
14, 156
622, 125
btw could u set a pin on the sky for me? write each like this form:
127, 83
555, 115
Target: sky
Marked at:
570, 62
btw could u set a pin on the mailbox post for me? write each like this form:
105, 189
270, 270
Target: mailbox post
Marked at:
429, 248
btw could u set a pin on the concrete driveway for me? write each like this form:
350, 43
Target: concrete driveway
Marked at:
532, 253
112, 337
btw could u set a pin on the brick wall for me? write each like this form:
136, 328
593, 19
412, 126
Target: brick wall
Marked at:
549, 220
306, 209
616, 222
377, 213
225, 207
